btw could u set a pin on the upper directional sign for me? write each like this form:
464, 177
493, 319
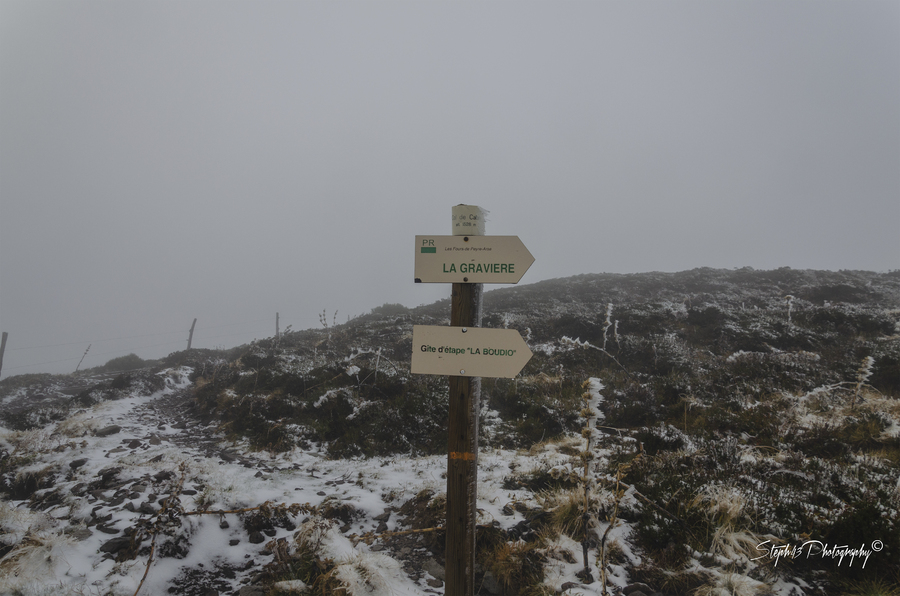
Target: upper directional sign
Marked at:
468, 352
471, 259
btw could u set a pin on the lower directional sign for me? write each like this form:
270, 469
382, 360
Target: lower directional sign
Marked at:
468, 351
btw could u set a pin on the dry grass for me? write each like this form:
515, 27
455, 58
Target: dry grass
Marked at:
733, 584
518, 566
79, 425
725, 510
37, 556
872, 587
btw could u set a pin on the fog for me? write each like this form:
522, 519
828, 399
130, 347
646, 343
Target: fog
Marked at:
162, 161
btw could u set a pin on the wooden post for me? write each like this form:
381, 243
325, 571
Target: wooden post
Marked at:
277, 334
462, 444
82, 357
2, 349
191, 336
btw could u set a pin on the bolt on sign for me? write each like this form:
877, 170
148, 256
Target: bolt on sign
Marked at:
468, 351
471, 259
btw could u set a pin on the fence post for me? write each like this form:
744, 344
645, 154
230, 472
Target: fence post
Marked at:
2, 349
191, 336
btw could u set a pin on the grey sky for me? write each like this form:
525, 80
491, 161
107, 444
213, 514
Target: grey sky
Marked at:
161, 161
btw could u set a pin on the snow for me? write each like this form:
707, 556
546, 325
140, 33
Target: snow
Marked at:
70, 566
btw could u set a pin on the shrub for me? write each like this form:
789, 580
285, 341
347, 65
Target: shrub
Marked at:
123, 363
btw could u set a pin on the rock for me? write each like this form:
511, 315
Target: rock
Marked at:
116, 544
434, 568
382, 528
234, 542
106, 529
252, 591
78, 463
107, 476
257, 537
99, 519
633, 589
434, 583
521, 530
147, 508
134, 444
108, 430
78, 533
490, 584
585, 576
383, 517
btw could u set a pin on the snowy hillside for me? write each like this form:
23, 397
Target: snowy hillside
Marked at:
746, 440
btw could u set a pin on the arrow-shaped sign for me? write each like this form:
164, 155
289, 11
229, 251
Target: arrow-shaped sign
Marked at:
471, 259
468, 351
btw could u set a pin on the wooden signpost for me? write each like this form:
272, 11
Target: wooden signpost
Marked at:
466, 353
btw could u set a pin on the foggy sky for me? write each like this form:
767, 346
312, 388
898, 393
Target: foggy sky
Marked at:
161, 161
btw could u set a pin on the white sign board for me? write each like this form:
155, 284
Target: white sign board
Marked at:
471, 259
468, 351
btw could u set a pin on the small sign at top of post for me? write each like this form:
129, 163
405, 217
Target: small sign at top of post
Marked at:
468, 220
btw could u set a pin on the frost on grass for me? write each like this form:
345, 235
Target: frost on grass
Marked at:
39, 550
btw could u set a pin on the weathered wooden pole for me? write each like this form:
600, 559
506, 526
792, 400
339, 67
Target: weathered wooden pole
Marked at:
191, 335
82, 357
462, 443
2, 349
277, 333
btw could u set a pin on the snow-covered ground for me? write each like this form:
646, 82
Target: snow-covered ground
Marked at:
724, 437
115, 464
